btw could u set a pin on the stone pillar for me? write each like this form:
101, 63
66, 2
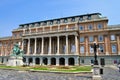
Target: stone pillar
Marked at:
49, 45
66, 61
22, 44
58, 51
86, 45
118, 43
28, 47
41, 61
66, 44
35, 45
27, 61
76, 44
76, 61
49, 63
33, 61
106, 45
42, 50
57, 61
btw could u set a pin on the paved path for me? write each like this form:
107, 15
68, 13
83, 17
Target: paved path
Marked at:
111, 73
21, 75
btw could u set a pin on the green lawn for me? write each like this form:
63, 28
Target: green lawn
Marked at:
51, 68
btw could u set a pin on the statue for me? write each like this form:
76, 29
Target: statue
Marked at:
16, 57
17, 52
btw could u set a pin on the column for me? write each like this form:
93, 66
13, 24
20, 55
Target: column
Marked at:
33, 61
76, 44
106, 45
49, 63
28, 47
57, 61
22, 44
86, 45
41, 61
42, 50
58, 51
27, 61
66, 61
35, 45
118, 43
66, 44
49, 45
76, 61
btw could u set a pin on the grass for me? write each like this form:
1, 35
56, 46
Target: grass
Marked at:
51, 68
64, 68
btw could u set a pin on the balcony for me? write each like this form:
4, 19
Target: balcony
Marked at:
27, 32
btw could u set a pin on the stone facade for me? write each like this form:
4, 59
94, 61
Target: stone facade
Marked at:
65, 41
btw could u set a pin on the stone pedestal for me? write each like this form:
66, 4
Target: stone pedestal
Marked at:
96, 73
15, 61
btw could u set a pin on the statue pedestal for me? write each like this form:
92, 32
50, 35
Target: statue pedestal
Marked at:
15, 61
96, 72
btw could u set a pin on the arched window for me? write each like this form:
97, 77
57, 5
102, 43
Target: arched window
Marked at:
73, 48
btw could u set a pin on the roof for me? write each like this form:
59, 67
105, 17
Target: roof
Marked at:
62, 18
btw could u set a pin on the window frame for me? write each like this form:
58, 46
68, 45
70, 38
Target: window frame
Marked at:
99, 39
81, 39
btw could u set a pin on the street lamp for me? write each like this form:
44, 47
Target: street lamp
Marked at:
95, 46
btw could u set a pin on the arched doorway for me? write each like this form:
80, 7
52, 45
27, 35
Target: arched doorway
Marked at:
53, 61
30, 60
37, 61
71, 61
62, 61
45, 61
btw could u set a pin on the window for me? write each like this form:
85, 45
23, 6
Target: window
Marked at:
73, 20
73, 48
99, 26
91, 50
64, 48
114, 48
82, 49
91, 39
112, 37
81, 28
90, 27
81, 18
92, 61
89, 17
81, 39
100, 38
101, 47
51, 22
65, 21
58, 22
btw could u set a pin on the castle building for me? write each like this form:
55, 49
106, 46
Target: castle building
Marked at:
65, 41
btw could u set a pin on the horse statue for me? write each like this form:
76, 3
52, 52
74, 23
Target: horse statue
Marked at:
16, 51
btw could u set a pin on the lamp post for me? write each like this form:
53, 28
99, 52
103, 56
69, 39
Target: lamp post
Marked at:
95, 46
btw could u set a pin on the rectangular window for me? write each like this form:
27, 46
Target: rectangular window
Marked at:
73, 48
91, 50
112, 37
82, 49
91, 39
100, 38
114, 48
81, 39
80, 28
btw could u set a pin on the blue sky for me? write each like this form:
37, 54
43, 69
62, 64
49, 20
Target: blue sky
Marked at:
15, 12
